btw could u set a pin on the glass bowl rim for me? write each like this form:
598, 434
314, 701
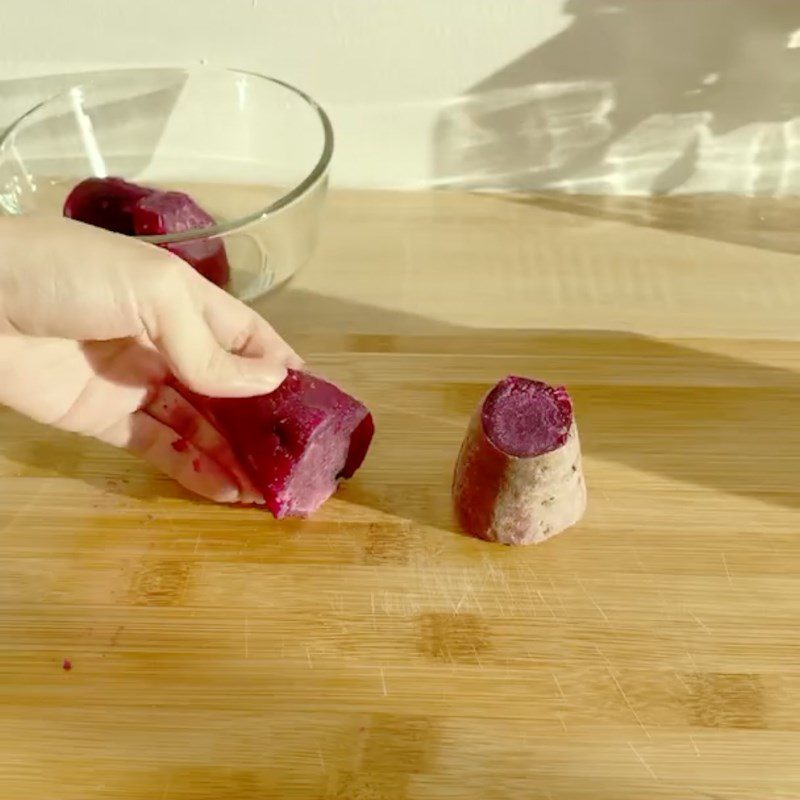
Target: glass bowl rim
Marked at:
296, 193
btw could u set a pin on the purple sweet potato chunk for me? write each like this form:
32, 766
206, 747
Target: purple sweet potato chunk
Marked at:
518, 478
176, 212
123, 207
295, 443
105, 203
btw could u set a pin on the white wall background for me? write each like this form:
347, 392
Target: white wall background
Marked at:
631, 96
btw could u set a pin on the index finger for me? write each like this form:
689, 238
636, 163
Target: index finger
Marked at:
190, 426
242, 330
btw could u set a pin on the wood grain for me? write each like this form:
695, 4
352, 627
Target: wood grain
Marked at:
372, 653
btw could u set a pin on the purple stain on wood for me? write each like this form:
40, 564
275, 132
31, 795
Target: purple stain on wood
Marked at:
66, 665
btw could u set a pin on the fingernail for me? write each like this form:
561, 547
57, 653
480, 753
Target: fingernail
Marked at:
252, 498
229, 495
259, 377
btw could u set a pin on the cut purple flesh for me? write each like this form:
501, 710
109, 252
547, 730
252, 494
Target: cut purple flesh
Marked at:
524, 417
122, 207
105, 203
295, 443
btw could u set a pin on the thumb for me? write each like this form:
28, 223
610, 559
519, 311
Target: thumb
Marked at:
183, 337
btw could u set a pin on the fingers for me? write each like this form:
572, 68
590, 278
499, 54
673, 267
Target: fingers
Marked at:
215, 344
240, 329
61, 278
170, 408
158, 444
198, 360
65, 279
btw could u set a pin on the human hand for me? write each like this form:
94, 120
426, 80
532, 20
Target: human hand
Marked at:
93, 325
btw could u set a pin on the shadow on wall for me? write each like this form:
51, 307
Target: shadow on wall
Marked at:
158, 85
127, 110
638, 96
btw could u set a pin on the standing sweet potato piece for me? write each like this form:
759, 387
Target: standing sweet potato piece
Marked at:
518, 477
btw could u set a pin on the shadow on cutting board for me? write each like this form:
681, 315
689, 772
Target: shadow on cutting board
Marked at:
715, 421
763, 222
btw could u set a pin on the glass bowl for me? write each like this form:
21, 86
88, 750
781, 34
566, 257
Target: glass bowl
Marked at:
253, 151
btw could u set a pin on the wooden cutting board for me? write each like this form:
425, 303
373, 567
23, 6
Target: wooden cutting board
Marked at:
372, 653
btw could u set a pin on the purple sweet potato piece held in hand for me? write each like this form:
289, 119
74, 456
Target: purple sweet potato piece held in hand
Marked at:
176, 212
518, 478
295, 443
105, 203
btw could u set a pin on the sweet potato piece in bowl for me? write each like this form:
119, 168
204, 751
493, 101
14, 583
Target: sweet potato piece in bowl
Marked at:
123, 207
